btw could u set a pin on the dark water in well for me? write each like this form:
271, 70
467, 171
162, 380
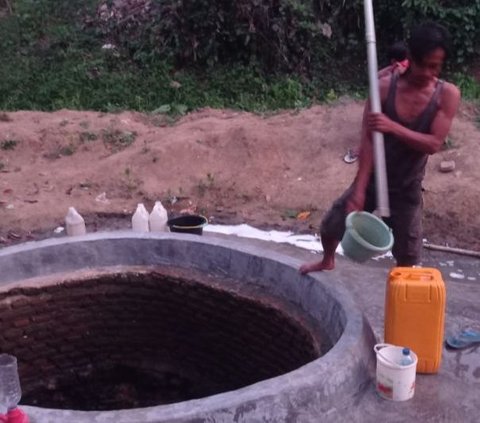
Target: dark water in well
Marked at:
119, 387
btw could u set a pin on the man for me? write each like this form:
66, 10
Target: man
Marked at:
418, 109
397, 56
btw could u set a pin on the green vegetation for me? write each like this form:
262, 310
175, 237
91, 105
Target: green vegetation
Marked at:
204, 185
468, 85
174, 56
86, 136
8, 144
449, 144
67, 150
117, 140
130, 182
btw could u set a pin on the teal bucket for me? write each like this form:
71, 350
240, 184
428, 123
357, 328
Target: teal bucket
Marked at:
365, 236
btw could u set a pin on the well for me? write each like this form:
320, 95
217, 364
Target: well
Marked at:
120, 327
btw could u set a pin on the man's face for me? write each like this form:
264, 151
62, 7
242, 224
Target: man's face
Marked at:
425, 71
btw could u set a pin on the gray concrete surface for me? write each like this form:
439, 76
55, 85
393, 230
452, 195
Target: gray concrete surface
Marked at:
452, 395
327, 386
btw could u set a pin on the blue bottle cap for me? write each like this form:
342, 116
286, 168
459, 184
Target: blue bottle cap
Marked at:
406, 351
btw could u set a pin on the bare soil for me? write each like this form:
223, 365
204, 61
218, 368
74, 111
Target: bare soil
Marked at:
231, 166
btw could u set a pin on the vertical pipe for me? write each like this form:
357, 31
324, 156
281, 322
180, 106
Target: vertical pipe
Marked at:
383, 207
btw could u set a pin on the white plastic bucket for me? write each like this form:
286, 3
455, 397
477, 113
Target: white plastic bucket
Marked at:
394, 381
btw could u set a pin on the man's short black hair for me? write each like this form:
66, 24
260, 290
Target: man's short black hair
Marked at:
397, 51
427, 37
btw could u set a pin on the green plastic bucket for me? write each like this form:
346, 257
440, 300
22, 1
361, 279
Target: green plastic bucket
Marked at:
365, 236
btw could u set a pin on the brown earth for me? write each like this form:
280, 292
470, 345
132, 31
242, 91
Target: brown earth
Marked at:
231, 166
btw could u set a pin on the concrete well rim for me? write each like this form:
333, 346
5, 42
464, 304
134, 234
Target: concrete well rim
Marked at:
350, 350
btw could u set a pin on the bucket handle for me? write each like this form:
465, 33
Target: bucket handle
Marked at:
378, 350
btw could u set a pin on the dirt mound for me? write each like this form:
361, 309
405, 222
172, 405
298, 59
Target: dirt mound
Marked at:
231, 166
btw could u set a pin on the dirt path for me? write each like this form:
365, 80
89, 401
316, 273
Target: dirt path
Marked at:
231, 166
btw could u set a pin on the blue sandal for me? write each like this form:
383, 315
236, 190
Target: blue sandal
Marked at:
465, 339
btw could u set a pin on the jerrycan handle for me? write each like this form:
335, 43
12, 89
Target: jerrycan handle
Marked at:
414, 276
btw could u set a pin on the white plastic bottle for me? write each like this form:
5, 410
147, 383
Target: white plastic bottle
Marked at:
10, 391
74, 223
140, 219
406, 359
158, 218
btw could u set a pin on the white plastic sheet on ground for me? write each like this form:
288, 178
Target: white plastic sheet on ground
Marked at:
307, 242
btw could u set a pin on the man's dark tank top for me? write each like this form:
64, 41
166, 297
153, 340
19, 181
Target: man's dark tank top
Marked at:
406, 166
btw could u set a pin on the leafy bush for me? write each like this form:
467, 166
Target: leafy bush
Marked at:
461, 17
282, 35
250, 54
277, 34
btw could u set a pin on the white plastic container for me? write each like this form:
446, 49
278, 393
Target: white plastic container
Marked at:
74, 223
394, 381
140, 219
10, 391
158, 218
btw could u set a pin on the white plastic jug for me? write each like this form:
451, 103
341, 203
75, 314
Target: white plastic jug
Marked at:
74, 223
394, 381
140, 219
158, 218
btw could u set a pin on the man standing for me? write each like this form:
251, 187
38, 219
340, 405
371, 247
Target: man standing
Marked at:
418, 109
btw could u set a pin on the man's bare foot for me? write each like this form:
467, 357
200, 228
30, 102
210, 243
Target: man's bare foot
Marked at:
317, 266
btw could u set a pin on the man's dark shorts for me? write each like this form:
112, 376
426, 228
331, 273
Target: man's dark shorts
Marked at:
405, 221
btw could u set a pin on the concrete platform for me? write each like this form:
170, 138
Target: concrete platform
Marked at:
452, 395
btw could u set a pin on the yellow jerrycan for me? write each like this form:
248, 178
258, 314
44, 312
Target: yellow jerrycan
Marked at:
415, 314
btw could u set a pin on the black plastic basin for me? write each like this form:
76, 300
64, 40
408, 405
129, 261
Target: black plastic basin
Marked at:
190, 224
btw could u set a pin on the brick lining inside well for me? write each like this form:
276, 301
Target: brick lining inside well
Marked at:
135, 339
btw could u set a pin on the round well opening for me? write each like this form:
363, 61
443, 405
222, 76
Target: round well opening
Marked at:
119, 340
125, 316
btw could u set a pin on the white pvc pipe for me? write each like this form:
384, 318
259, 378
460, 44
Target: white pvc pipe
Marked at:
383, 208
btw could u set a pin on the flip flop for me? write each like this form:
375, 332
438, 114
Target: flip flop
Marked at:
465, 339
350, 157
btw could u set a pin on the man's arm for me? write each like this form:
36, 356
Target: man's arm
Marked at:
425, 143
399, 67
385, 71
365, 158
365, 166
